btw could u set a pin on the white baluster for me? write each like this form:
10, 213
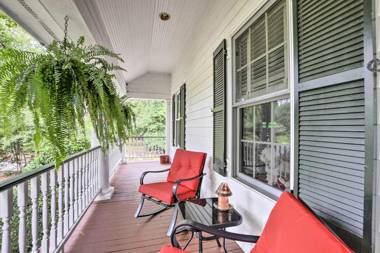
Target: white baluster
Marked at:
86, 180
81, 183
71, 207
76, 186
22, 194
34, 197
45, 212
91, 175
53, 228
97, 171
66, 199
6, 199
60, 205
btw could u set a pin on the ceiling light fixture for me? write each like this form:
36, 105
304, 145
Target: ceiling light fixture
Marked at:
164, 16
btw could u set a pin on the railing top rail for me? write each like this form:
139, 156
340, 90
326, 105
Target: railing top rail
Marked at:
146, 136
6, 184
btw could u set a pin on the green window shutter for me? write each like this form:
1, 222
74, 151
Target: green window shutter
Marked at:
334, 116
332, 153
219, 109
330, 37
182, 123
173, 121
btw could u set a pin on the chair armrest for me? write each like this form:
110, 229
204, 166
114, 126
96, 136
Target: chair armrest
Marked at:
150, 171
197, 227
178, 182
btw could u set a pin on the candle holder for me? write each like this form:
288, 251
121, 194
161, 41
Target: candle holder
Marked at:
223, 193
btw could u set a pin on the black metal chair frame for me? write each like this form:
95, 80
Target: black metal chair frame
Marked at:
164, 205
195, 227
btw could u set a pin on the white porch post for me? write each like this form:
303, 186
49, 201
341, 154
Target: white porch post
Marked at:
168, 125
6, 198
106, 191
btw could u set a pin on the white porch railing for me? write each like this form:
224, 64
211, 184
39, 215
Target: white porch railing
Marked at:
145, 147
40, 209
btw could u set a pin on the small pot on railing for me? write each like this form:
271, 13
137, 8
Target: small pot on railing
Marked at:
164, 159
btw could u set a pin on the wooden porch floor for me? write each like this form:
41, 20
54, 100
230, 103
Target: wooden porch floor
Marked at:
109, 226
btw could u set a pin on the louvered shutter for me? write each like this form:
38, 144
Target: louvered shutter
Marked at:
333, 147
219, 110
173, 120
182, 122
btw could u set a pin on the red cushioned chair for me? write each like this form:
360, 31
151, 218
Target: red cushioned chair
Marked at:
291, 228
183, 182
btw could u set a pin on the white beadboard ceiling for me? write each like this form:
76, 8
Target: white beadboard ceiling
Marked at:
147, 43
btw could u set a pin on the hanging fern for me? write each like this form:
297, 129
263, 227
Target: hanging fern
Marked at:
61, 87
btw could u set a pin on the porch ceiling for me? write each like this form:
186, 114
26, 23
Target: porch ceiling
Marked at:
145, 42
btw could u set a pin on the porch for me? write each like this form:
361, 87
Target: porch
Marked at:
276, 92
109, 226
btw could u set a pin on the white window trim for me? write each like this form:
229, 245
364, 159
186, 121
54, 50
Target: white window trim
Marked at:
262, 187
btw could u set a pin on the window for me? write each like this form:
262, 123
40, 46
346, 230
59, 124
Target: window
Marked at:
261, 103
179, 108
265, 143
260, 51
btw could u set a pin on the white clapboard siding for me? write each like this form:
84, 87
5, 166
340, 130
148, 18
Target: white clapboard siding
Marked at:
195, 68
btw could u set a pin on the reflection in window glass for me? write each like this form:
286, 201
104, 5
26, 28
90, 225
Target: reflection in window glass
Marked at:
264, 158
262, 122
281, 121
263, 162
247, 126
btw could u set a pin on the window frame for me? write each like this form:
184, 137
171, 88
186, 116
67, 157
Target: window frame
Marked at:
178, 118
236, 106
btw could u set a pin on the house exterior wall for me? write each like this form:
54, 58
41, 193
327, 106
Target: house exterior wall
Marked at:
222, 21
377, 157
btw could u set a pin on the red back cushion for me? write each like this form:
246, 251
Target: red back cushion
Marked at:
292, 228
187, 164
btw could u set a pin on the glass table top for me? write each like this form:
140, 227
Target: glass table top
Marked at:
204, 211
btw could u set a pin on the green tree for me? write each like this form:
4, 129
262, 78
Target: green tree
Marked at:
14, 36
151, 117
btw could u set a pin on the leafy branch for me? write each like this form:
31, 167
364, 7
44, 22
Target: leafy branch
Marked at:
61, 87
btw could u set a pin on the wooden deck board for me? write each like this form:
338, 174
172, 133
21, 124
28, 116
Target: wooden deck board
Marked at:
109, 226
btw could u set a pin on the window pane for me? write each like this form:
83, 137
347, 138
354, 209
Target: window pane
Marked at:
247, 123
242, 50
262, 122
241, 81
281, 169
281, 121
260, 55
247, 158
263, 163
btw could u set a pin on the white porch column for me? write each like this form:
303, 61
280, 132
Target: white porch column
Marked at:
168, 125
6, 198
106, 191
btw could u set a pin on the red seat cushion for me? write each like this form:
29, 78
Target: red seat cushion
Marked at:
292, 228
171, 249
187, 164
163, 191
